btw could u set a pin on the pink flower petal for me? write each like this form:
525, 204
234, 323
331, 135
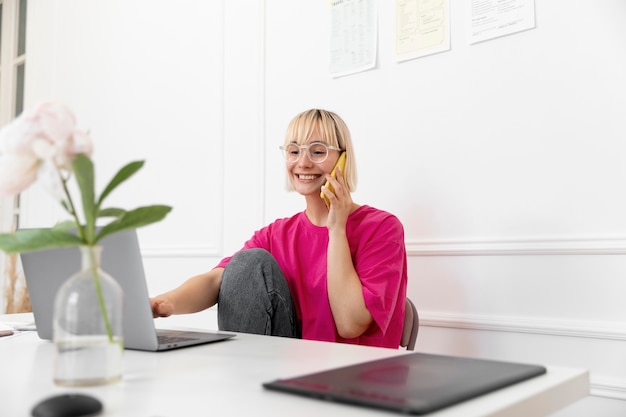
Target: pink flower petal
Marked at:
17, 173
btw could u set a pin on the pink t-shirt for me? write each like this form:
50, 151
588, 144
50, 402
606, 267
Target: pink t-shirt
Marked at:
376, 240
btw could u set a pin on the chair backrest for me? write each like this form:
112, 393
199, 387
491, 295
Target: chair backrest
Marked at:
411, 326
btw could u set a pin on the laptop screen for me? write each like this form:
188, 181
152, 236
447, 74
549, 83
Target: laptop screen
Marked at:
45, 271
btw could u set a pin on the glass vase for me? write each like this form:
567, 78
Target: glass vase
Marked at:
88, 326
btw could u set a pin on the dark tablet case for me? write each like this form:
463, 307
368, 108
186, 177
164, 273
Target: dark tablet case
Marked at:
415, 383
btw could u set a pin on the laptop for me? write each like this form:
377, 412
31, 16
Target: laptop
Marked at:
415, 383
45, 271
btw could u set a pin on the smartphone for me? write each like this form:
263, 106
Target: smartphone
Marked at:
341, 163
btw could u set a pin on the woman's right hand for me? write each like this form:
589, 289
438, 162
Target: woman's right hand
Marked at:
161, 307
196, 294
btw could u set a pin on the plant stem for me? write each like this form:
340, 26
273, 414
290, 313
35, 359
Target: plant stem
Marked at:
71, 208
72, 211
96, 277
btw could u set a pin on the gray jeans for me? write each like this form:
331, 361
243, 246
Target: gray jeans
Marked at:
254, 297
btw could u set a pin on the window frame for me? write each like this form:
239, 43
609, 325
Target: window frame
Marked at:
12, 73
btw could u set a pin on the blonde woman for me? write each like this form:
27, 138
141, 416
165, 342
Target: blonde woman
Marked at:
335, 273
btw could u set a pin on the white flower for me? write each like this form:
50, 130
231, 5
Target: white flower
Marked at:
35, 144
17, 172
49, 178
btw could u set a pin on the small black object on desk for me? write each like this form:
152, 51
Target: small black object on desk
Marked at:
68, 405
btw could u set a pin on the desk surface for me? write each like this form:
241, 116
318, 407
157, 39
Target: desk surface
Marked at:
225, 378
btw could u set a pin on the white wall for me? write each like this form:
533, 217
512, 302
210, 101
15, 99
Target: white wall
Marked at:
503, 159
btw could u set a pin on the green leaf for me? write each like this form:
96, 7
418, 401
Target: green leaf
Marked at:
83, 171
133, 219
111, 212
30, 240
65, 226
122, 175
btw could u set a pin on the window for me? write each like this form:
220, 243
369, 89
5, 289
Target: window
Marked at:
13, 295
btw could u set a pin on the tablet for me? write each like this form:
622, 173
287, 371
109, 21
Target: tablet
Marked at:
415, 383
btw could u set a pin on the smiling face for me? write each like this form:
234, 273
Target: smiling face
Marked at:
308, 127
306, 176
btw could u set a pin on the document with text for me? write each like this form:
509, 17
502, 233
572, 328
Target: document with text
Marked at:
353, 36
422, 28
494, 18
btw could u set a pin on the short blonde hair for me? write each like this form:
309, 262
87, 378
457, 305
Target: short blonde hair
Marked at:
332, 130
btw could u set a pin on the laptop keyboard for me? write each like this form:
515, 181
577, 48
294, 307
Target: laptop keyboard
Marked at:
163, 339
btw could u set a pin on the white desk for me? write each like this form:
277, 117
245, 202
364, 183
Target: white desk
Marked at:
225, 379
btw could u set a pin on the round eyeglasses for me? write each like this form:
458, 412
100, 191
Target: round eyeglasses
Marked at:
316, 151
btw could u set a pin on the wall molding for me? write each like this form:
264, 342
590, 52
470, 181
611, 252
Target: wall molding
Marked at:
590, 245
571, 328
512, 247
608, 387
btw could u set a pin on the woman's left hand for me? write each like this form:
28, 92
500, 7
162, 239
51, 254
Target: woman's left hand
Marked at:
340, 202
